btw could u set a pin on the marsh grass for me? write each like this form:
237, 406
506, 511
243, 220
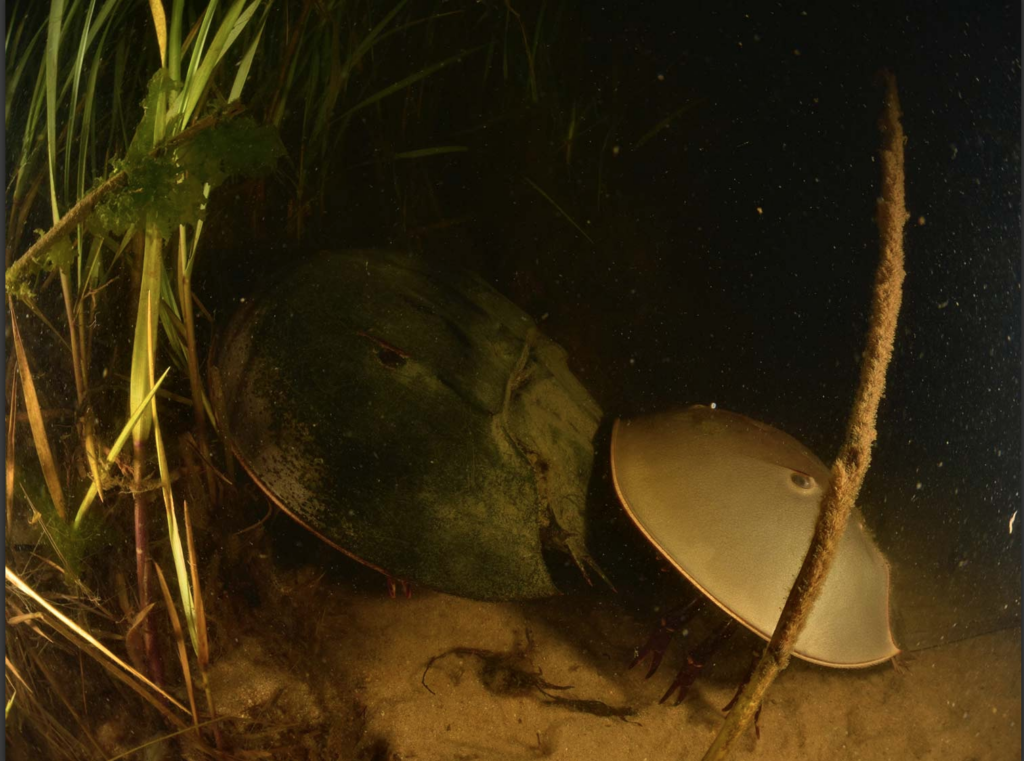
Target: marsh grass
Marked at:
157, 188
123, 119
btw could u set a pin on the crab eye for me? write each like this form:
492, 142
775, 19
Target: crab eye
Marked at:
801, 481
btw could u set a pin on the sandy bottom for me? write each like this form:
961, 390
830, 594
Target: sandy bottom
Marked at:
341, 673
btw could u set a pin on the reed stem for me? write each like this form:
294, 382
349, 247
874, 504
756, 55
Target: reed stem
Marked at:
854, 457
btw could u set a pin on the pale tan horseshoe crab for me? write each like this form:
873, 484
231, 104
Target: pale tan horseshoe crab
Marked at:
732, 503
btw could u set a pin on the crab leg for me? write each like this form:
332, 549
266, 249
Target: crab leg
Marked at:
393, 587
695, 661
660, 639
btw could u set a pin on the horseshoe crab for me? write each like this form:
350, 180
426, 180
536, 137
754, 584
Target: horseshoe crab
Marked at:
420, 422
732, 504
417, 420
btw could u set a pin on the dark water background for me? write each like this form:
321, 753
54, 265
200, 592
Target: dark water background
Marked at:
765, 312
788, 125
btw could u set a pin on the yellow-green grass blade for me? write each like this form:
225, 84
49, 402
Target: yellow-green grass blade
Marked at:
156, 10
35, 419
174, 51
18, 583
118, 445
199, 44
195, 83
50, 66
172, 521
246, 64
236, 29
179, 641
152, 276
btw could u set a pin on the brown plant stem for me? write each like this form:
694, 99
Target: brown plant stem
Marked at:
76, 358
202, 636
276, 104
194, 381
80, 366
9, 467
854, 457
142, 567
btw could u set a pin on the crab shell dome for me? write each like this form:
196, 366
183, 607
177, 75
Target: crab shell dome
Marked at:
415, 419
732, 503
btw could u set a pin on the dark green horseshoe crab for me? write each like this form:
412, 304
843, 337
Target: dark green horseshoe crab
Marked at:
420, 422
416, 420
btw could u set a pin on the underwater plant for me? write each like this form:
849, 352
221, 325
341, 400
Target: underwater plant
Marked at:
124, 122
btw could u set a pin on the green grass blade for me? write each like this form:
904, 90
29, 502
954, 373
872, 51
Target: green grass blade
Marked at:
86, 140
149, 295
664, 123
409, 80
246, 64
196, 58
11, 46
118, 445
199, 44
327, 96
237, 28
195, 84
14, 79
99, 24
368, 42
489, 60
401, 29
35, 110
177, 551
52, 59
191, 259
561, 211
174, 51
435, 151
92, 269
139, 411
117, 106
536, 31
76, 81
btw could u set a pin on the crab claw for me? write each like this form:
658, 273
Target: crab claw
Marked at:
656, 644
660, 639
573, 545
695, 662
393, 588
900, 663
684, 680
583, 559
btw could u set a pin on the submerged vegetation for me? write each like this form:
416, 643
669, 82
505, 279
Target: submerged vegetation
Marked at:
122, 122
142, 140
